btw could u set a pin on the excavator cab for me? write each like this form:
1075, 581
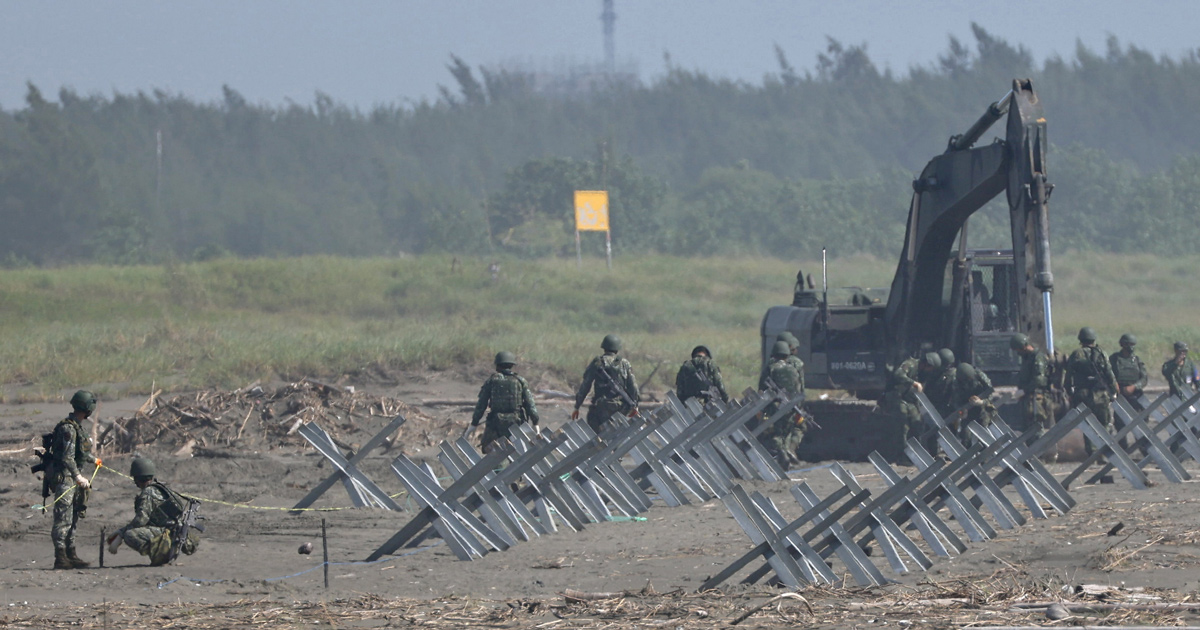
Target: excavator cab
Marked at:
987, 292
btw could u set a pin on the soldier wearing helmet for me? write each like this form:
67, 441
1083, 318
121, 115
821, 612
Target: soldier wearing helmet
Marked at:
1130, 371
1180, 373
610, 380
699, 377
156, 513
1090, 380
793, 344
784, 437
900, 395
973, 397
1033, 380
70, 453
511, 402
939, 383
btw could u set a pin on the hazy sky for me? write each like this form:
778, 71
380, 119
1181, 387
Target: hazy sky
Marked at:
367, 52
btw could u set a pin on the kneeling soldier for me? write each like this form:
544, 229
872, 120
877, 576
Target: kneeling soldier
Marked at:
511, 403
157, 513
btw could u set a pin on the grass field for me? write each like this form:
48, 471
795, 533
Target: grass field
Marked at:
227, 322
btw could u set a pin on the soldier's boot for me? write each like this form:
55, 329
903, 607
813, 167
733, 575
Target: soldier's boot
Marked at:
76, 561
61, 561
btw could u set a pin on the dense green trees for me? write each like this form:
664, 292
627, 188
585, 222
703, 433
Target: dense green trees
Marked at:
694, 164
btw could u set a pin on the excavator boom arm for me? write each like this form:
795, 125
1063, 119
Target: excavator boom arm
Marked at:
952, 187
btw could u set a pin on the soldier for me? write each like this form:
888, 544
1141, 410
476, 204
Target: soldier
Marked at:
1033, 379
972, 398
939, 383
700, 378
1180, 373
785, 436
900, 396
1130, 371
616, 389
795, 361
510, 400
156, 513
70, 451
1090, 380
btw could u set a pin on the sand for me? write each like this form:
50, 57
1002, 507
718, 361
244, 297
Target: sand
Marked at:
247, 572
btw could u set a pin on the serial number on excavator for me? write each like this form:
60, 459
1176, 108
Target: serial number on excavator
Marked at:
852, 366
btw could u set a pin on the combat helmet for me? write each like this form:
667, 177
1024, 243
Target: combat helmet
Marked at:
83, 401
1087, 334
1128, 340
947, 357
780, 349
704, 349
932, 360
141, 468
789, 338
1018, 341
966, 372
504, 357
1181, 346
611, 343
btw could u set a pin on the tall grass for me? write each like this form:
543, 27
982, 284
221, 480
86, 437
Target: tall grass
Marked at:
226, 322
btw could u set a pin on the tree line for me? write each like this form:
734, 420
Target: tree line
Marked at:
695, 164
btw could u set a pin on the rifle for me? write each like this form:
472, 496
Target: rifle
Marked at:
183, 526
44, 466
710, 389
620, 390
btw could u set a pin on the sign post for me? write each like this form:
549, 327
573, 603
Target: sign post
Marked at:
591, 215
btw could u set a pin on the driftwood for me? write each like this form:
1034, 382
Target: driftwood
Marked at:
254, 417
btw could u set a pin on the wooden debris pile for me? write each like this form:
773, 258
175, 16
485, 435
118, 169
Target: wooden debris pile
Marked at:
256, 417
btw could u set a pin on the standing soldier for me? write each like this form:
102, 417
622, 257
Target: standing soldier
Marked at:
973, 397
1130, 371
700, 378
1180, 373
70, 451
616, 389
510, 400
784, 437
900, 397
157, 511
1033, 379
1090, 380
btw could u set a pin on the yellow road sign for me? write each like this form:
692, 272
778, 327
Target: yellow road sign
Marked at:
591, 210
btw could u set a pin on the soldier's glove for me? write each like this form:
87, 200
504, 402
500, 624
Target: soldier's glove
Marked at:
467, 431
114, 541
575, 414
82, 482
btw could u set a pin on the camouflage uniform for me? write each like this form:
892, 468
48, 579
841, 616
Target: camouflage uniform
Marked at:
1181, 378
972, 381
605, 399
900, 397
785, 436
511, 403
697, 378
1090, 381
155, 513
71, 451
1037, 405
939, 388
1129, 370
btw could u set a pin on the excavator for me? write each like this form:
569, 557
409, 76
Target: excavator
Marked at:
942, 296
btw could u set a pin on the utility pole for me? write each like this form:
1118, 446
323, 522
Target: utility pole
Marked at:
609, 18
